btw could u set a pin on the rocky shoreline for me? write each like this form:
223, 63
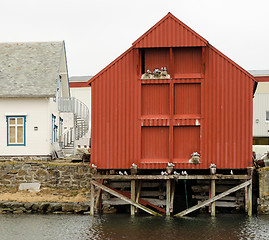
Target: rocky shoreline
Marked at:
13, 207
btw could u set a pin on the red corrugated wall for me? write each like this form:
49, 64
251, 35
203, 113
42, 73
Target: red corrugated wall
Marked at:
206, 107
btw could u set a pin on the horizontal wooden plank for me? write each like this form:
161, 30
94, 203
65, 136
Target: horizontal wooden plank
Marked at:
176, 177
117, 201
226, 204
227, 198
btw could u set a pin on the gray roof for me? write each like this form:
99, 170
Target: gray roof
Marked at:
29, 69
80, 78
259, 73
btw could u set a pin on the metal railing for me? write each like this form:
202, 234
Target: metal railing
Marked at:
81, 117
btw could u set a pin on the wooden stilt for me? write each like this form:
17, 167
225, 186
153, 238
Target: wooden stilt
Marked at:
173, 196
92, 199
250, 173
133, 197
98, 196
246, 199
138, 193
204, 203
250, 199
168, 197
213, 192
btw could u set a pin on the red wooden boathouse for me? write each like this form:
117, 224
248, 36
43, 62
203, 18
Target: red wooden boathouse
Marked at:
205, 106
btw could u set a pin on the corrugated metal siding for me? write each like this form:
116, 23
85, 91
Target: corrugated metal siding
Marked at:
155, 144
190, 60
156, 59
188, 98
155, 99
186, 141
132, 122
169, 32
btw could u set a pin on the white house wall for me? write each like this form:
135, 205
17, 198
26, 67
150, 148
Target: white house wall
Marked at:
260, 106
38, 126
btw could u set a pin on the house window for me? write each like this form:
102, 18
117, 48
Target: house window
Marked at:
267, 115
16, 130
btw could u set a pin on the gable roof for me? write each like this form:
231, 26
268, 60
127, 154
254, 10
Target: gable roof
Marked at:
30, 69
170, 32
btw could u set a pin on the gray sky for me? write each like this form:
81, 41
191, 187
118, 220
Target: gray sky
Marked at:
96, 32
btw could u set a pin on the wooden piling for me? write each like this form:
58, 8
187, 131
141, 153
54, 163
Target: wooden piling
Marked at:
92, 200
213, 192
168, 197
133, 197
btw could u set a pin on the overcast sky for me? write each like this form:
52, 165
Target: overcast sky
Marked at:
96, 32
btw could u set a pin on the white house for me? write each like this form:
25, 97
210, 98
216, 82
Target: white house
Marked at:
34, 93
261, 112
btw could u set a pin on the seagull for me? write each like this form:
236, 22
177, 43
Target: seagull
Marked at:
120, 173
170, 164
161, 68
164, 69
94, 166
125, 173
134, 165
176, 173
184, 173
212, 165
232, 173
148, 71
164, 173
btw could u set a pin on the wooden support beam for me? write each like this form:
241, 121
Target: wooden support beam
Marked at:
168, 197
132, 197
138, 193
250, 199
98, 196
92, 198
202, 204
246, 199
213, 192
172, 196
121, 196
175, 177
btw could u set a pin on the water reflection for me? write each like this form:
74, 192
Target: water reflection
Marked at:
226, 226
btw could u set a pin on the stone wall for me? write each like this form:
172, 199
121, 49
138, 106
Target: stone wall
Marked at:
263, 200
43, 207
49, 174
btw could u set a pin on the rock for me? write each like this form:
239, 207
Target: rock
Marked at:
44, 206
28, 205
18, 212
36, 206
80, 207
55, 207
67, 207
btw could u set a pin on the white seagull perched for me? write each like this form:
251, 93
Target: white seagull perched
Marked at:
170, 164
164, 173
212, 165
134, 165
232, 173
94, 166
176, 173
120, 173
148, 71
125, 173
184, 173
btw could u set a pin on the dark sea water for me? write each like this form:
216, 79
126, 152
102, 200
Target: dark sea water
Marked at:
224, 226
